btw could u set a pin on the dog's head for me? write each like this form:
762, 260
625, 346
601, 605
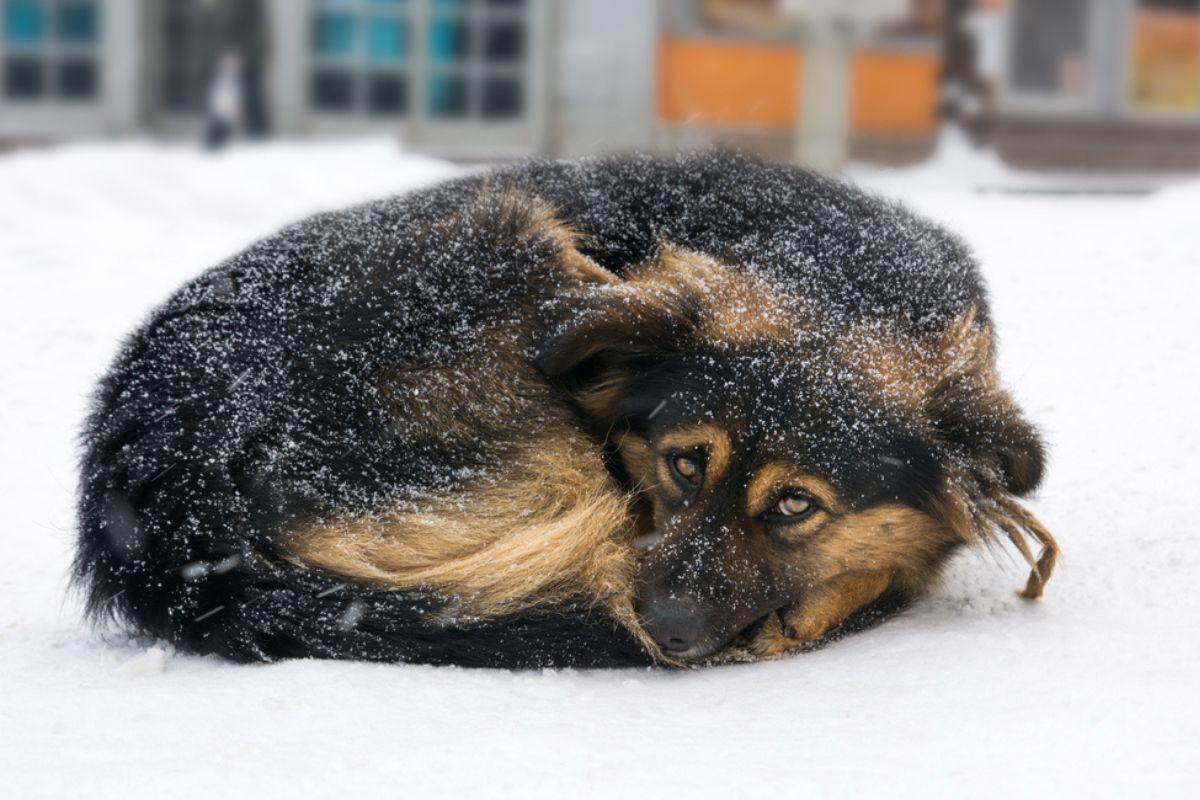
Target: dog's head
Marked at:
772, 449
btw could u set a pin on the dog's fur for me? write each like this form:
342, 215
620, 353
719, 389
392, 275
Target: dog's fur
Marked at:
440, 428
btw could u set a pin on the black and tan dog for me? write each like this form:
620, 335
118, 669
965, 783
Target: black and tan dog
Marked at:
596, 413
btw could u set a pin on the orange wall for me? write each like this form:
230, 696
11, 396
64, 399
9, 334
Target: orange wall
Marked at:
726, 83
752, 84
895, 92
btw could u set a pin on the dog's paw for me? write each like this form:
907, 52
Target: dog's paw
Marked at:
789, 630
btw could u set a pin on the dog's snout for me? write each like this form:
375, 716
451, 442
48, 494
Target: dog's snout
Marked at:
677, 625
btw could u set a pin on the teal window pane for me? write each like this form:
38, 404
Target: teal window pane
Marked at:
387, 94
334, 33
504, 41
24, 21
502, 98
451, 5
78, 21
77, 79
447, 95
333, 90
387, 39
448, 40
24, 78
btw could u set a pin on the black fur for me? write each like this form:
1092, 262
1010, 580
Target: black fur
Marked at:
247, 402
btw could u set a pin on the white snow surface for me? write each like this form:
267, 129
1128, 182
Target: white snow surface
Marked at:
1093, 691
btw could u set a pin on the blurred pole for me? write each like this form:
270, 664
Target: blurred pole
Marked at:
828, 31
823, 140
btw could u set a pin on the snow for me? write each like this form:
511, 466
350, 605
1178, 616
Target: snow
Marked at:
1091, 691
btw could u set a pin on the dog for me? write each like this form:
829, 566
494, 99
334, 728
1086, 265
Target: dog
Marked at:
612, 412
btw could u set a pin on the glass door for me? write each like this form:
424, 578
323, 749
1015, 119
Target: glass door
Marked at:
1056, 59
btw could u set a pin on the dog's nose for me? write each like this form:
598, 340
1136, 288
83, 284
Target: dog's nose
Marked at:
675, 624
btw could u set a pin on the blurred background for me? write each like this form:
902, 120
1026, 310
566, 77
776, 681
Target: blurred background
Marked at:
1100, 85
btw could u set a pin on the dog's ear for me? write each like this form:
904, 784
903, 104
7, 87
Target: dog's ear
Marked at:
604, 336
507, 224
990, 429
970, 410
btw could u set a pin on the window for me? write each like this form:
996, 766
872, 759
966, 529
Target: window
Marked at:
447, 59
476, 54
49, 50
362, 55
1050, 41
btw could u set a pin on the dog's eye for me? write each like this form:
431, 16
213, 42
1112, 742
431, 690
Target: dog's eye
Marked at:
794, 507
688, 469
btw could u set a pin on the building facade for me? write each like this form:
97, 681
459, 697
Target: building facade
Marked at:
436, 71
1110, 84
492, 78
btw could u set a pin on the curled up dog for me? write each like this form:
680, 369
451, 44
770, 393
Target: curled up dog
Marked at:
613, 412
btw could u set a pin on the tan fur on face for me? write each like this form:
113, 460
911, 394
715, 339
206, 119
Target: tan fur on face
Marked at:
853, 561
898, 538
823, 611
770, 480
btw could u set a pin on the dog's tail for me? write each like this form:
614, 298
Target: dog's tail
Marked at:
174, 544
248, 607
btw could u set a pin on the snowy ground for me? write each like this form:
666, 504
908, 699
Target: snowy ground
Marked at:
1095, 691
